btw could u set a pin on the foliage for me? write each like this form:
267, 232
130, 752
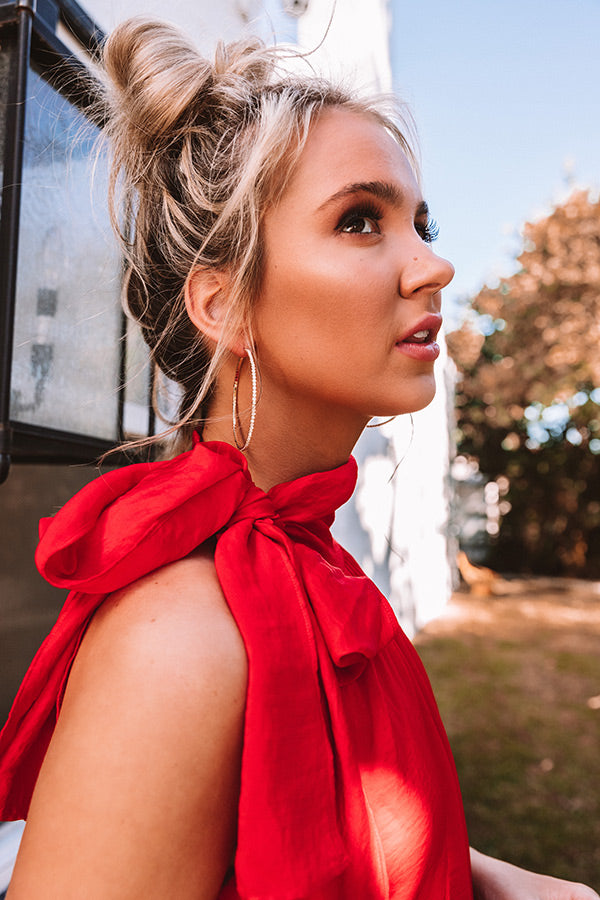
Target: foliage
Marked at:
528, 395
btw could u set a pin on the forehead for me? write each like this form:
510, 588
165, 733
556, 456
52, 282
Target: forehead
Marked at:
346, 147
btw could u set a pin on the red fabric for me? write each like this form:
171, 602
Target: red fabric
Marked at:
348, 788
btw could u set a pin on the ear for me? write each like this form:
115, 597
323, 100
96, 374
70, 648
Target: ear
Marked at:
207, 301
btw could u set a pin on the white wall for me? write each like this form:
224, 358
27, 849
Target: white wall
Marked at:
396, 525
205, 20
356, 43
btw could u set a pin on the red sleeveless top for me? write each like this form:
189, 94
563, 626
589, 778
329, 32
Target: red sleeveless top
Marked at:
348, 787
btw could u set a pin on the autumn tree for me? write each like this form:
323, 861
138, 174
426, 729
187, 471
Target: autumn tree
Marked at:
528, 394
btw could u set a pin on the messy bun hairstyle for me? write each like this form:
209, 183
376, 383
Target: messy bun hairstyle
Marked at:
200, 150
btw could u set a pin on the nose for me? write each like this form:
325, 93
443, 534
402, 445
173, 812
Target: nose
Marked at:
423, 271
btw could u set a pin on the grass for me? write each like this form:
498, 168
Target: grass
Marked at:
513, 677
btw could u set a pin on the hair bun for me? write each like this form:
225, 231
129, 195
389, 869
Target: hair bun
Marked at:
154, 74
158, 80
248, 59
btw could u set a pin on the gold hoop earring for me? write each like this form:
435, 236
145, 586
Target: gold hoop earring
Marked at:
379, 424
405, 454
236, 414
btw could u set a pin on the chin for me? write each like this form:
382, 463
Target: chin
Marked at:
423, 404
419, 398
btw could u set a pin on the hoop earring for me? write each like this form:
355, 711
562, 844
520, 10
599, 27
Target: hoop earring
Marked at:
405, 454
379, 424
236, 414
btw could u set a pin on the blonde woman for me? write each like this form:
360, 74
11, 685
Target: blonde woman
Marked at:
227, 707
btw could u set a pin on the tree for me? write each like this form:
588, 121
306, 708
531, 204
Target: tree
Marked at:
528, 394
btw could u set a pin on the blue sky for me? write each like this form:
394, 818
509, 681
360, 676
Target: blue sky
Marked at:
504, 94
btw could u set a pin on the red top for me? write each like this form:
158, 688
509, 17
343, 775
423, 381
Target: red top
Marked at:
348, 787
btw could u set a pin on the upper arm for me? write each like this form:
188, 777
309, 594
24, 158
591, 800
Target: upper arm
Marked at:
137, 796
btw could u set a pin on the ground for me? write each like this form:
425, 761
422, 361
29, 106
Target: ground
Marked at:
517, 678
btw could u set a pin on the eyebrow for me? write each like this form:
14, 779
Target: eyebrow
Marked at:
383, 190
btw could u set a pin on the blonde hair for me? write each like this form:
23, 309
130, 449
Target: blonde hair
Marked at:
200, 151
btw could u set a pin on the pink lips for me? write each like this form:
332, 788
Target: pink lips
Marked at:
428, 350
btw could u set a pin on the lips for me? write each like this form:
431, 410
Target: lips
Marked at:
419, 342
423, 331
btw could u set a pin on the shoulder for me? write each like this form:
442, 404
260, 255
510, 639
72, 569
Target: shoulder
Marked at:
168, 656
144, 764
173, 619
163, 659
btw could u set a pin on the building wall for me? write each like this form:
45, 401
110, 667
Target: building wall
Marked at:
352, 43
28, 605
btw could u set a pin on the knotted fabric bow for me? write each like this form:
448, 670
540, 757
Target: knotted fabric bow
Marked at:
284, 578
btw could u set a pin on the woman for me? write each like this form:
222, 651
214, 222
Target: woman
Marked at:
240, 714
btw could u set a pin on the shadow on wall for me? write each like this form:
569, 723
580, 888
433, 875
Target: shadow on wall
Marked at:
28, 605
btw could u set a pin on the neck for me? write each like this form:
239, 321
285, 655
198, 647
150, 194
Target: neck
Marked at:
291, 438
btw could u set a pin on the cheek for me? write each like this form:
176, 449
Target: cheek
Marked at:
314, 297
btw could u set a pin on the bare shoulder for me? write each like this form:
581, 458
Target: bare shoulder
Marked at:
138, 793
169, 635
175, 618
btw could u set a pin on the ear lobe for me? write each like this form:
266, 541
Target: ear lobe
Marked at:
206, 301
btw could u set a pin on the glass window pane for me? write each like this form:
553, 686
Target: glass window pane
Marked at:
137, 384
67, 320
6, 56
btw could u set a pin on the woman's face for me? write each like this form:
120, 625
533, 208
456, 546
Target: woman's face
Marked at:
350, 301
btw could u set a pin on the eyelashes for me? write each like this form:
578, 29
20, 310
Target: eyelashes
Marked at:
364, 218
430, 231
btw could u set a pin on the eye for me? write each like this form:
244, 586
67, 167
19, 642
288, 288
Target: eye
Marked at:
428, 231
360, 220
360, 225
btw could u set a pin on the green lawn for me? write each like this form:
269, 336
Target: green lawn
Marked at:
515, 677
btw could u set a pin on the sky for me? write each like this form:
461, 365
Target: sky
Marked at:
506, 96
